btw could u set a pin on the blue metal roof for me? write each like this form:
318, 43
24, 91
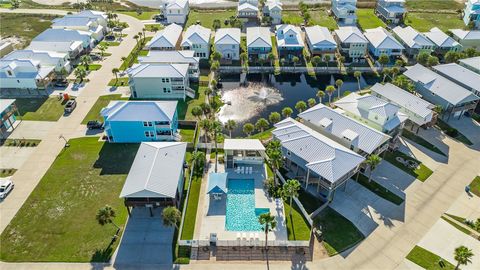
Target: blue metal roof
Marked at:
217, 183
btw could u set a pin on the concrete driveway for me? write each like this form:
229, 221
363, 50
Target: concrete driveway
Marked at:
14, 157
146, 241
467, 127
32, 130
394, 179
466, 206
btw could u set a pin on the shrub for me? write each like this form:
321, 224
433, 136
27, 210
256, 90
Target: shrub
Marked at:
452, 132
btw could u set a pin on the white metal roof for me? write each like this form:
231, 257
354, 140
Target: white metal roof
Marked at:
243, 144
73, 21
259, 37
63, 35
441, 39
140, 110
5, 103
319, 35
460, 74
177, 3
196, 34
56, 46
177, 57
350, 34
247, 7
283, 30
382, 39
158, 71
334, 122
274, 4
466, 34
439, 85
168, 37
228, 36
321, 154
412, 37
156, 170
473, 62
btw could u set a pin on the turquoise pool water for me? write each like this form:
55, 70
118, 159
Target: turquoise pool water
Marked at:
241, 212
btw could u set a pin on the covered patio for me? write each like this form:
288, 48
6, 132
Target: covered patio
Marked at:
243, 152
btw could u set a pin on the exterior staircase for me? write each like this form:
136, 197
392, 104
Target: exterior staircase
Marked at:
190, 92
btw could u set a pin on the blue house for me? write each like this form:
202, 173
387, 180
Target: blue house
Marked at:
391, 11
141, 121
259, 43
380, 41
7, 116
471, 13
289, 41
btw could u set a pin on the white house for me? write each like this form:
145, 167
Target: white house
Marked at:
351, 42
247, 9
101, 17
66, 35
289, 41
25, 74
72, 48
460, 75
174, 57
391, 10
344, 11
443, 42
160, 81
80, 23
413, 41
176, 11
197, 39
227, 43
59, 60
273, 9
259, 42
167, 39
320, 41
382, 42
468, 38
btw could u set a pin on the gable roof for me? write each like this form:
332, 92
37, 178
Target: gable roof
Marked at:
319, 35
63, 35
247, 7
155, 171
369, 139
228, 36
412, 37
41, 71
196, 30
158, 70
140, 110
460, 75
283, 30
243, 144
92, 14
382, 39
73, 21
473, 62
466, 34
168, 37
177, 4
259, 37
322, 155
45, 57
350, 34
274, 4
217, 183
177, 57
439, 85
441, 39
56, 46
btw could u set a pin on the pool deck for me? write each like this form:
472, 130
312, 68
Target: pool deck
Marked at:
211, 213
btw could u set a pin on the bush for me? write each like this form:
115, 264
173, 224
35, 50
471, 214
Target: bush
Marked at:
452, 132
273, 190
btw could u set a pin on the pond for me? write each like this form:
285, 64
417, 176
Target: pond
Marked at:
267, 93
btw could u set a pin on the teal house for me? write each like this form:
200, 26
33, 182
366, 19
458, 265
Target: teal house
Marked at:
141, 121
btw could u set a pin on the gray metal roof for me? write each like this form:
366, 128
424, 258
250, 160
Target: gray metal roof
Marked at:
473, 62
321, 154
382, 39
196, 34
227, 36
340, 125
168, 37
319, 35
350, 34
460, 75
159, 71
441, 39
466, 34
412, 37
156, 170
140, 110
259, 37
177, 57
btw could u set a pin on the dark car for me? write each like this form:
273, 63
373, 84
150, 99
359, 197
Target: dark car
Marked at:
70, 106
110, 38
94, 125
62, 83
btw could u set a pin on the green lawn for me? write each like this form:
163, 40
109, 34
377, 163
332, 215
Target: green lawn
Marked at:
57, 222
192, 206
118, 82
146, 15
5, 5
421, 141
297, 227
149, 27
452, 132
102, 102
199, 99
321, 18
309, 202
475, 186
423, 22
21, 142
427, 259
7, 172
187, 135
434, 4
367, 19
378, 189
458, 227
110, 43
40, 109
267, 134
93, 67
292, 17
206, 17
131, 58
339, 233
421, 173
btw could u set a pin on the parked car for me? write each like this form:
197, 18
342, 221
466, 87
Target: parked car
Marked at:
61, 83
117, 29
94, 124
6, 185
110, 38
70, 106
95, 56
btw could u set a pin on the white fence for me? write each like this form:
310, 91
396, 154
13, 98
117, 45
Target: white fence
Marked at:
270, 69
245, 243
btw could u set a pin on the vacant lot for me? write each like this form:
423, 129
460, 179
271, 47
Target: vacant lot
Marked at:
207, 17
423, 22
57, 222
102, 102
40, 109
367, 19
320, 17
434, 4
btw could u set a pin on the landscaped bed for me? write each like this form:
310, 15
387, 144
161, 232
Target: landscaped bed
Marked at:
379, 189
40, 109
421, 141
475, 186
102, 102
422, 172
57, 222
427, 259
7, 172
21, 142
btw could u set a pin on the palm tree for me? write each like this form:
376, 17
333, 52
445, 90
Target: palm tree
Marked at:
214, 66
386, 72
248, 128
295, 61
395, 71
357, 75
274, 117
207, 127
320, 95
244, 59
301, 106
372, 162
311, 102
339, 84
102, 49
198, 159
463, 256
275, 157
287, 112
215, 56
85, 61
209, 91
136, 38
316, 60
80, 73
207, 109
115, 72
171, 216
197, 111
217, 129
271, 58
438, 109
330, 89
290, 189
327, 59
269, 223
105, 215
262, 124
383, 59
230, 125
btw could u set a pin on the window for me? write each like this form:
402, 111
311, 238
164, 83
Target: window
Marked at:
9, 73
149, 134
288, 153
163, 80
147, 124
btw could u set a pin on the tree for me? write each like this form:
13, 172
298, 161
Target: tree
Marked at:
432, 61
422, 58
271, 58
386, 72
311, 102
327, 59
198, 160
63, 73
358, 75
395, 70
330, 89
115, 72
372, 162
217, 129
102, 49
320, 95
215, 56
470, 52
295, 61
438, 109
301, 106
215, 66
339, 84
155, 29
269, 223
85, 61
463, 256
80, 73
171, 216
287, 112
136, 38
383, 59
274, 117
262, 124
275, 157
401, 81
206, 125
216, 24
248, 128
244, 58
197, 111
207, 109
15, 3
106, 215
230, 125
399, 63
290, 190
451, 57
316, 60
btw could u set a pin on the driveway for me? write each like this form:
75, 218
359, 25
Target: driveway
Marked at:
14, 157
466, 206
467, 127
392, 178
145, 241
32, 130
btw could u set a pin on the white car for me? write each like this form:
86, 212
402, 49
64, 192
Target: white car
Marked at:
6, 185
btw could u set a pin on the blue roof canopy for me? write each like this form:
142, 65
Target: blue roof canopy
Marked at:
217, 183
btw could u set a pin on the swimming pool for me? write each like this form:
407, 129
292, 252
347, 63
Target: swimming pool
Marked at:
241, 212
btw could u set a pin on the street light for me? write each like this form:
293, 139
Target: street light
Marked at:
66, 142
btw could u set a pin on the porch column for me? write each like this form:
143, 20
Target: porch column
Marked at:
308, 175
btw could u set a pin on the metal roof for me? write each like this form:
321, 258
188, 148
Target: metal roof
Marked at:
227, 36
350, 34
73, 21
322, 155
156, 170
339, 125
168, 37
473, 62
259, 37
140, 110
460, 75
217, 183
441, 39
65, 35
382, 39
247, 7
412, 37
466, 34
243, 144
158, 71
5, 103
285, 29
319, 35
57, 46
196, 34
172, 57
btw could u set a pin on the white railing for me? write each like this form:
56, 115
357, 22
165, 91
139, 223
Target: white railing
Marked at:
245, 243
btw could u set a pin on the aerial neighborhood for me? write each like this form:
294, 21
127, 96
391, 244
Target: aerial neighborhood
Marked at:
174, 134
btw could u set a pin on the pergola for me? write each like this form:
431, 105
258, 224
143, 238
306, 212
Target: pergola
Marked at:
243, 151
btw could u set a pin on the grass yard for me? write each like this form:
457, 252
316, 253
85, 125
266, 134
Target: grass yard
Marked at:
57, 222
292, 17
475, 186
7, 172
421, 141
421, 173
339, 233
39, 109
321, 18
428, 260
434, 4
132, 56
149, 27
93, 67
120, 82
192, 206
458, 227
367, 19
297, 227
102, 101
309, 202
146, 15
206, 17
187, 135
267, 134
378, 189
24, 26
199, 99
110, 43
423, 22
452, 132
